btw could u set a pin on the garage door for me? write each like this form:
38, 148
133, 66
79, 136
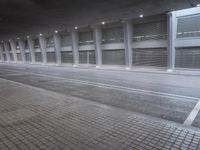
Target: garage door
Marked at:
38, 57
19, 57
87, 57
27, 57
150, 57
187, 58
113, 57
51, 57
11, 57
67, 57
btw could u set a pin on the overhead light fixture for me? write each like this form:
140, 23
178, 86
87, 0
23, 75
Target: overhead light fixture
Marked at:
141, 15
18, 38
75, 27
56, 31
40, 34
103, 22
28, 36
198, 5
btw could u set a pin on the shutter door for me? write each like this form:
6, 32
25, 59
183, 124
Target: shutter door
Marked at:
67, 57
113, 57
4, 56
92, 58
83, 57
188, 58
27, 57
150, 57
51, 57
38, 57
19, 57
11, 57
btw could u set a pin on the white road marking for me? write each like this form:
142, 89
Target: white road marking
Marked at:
116, 87
192, 115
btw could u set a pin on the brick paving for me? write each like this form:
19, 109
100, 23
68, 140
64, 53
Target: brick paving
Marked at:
37, 119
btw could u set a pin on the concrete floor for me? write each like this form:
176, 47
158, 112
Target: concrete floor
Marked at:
96, 109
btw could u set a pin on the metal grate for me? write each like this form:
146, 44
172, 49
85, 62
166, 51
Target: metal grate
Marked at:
27, 57
92, 57
51, 57
67, 57
188, 27
66, 40
150, 57
113, 35
87, 57
187, 58
19, 57
38, 56
113, 57
86, 38
150, 31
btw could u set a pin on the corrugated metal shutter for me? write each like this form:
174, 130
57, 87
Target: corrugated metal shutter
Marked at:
187, 58
113, 57
38, 56
92, 58
19, 57
67, 57
150, 31
51, 57
150, 57
27, 57
4, 56
11, 57
188, 27
83, 57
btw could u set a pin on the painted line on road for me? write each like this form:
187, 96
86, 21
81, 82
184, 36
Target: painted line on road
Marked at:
116, 87
190, 119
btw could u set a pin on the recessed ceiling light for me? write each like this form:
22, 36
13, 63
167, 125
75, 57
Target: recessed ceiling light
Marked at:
40, 34
141, 15
103, 22
75, 27
56, 31
198, 5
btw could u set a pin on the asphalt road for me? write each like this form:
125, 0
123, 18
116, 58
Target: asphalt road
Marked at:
166, 96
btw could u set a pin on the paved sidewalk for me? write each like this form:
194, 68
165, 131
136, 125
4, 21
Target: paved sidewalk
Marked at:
33, 118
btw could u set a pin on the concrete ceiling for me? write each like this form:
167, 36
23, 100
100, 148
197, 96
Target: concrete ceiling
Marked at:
27, 17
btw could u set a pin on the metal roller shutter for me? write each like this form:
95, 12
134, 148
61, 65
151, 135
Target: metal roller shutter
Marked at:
92, 58
67, 57
11, 57
19, 57
83, 57
4, 56
113, 57
27, 57
38, 56
187, 58
51, 57
150, 57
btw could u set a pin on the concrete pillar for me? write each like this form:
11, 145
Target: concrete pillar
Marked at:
57, 41
14, 48
1, 52
6, 47
42, 40
31, 49
128, 34
22, 50
98, 50
172, 25
74, 35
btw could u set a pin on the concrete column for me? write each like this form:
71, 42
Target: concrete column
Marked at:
13, 48
128, 34
6, 47
98, 50
1, 52
31, 49
22, 50
57, 41
42, 40
75, 40
172, 25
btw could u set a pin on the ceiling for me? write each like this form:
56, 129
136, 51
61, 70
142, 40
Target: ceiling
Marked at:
19, 18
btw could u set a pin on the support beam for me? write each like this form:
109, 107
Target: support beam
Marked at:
13, 48
128, 34
1, 53
172, 25
42, 40
57, 41
22, 50
74, 35
7, 51
98, 50
31, 49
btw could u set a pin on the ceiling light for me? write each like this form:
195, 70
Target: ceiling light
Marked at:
198, 5
103, 22
141, 15
28, 36
75, 27
56, 31
40, 34
18, 38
